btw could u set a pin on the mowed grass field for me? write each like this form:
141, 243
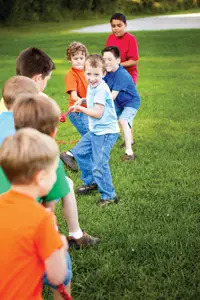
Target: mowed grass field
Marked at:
150, 241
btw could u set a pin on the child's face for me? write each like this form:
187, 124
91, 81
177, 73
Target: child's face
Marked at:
93, 75
42, 82
78, 61
118, 27
112, 63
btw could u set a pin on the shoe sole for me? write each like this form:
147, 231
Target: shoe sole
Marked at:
68, 165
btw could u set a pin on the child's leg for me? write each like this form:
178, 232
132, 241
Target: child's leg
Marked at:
126, 119
80, 122
83, 155
101, 147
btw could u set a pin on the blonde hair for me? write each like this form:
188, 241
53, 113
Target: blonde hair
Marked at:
95, 61
75, 47
36, 111
15, 86
25, 153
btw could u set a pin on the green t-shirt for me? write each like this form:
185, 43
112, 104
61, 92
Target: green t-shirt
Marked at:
59, 190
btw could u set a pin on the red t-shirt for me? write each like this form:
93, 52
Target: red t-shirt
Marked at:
27, 237
128, 48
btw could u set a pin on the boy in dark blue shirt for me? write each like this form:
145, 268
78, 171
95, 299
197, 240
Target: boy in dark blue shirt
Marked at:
125, 95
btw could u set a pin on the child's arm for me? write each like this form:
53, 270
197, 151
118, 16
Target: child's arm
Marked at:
114, 94
129, 63
96, 112
74, 96
55, 264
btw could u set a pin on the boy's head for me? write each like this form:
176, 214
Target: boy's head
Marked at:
35, 64
37, 111
30, 158
111, 56
118, 24
76, 54
15, 86
94, 69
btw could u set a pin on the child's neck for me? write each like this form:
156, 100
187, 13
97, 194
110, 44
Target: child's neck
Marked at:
29, 190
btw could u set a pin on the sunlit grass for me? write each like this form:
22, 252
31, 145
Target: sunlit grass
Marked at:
150, 242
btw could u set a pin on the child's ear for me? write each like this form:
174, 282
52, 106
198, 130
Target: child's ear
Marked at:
118, 60
104, 73
37, 77
53, 133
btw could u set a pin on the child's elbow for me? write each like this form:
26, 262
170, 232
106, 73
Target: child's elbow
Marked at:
58, 278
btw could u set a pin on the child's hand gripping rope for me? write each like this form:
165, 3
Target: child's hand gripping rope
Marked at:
70, 109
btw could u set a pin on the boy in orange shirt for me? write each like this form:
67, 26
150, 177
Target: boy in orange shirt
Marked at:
30, 243
76, 87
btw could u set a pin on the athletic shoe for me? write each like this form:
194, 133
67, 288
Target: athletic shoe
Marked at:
86, 189
85, 241
69, 161
106, 202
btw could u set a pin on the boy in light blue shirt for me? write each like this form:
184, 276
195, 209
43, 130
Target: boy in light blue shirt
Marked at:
125, 96
92, 153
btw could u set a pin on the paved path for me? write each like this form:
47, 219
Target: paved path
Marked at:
186, 21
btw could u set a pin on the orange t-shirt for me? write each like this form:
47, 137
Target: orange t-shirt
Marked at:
27, 237
75, 80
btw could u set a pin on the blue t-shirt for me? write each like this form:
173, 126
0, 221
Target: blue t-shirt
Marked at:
7, 125
108, 122
121, 81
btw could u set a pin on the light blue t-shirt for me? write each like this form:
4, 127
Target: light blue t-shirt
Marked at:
108, 122
7, 125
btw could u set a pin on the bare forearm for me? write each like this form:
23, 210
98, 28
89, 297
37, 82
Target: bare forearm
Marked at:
129, 63
90, 112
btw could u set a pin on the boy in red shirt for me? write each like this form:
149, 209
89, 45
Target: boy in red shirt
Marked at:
30, 243
126, 43
76, 87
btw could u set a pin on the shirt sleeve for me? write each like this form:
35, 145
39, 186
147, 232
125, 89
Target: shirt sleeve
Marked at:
47, 238
132, 49
100, 95
119, 84
61, 187
70, 82
108, 41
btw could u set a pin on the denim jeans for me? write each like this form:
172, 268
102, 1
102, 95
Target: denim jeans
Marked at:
80, 122
92, 154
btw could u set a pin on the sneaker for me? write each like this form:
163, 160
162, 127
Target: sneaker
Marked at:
85, 241
106, 202
123, 144
86, 189
69, 161
127, 157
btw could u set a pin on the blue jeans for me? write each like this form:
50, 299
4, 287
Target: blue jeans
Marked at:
92, 154
80, 122
67, 278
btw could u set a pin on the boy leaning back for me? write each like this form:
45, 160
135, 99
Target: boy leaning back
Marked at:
30, 243
92, 153
76, 87
125, 95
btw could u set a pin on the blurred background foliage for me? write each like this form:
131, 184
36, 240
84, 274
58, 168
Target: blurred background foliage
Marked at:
15, 11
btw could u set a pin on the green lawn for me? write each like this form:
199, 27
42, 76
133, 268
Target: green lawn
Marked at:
150, 248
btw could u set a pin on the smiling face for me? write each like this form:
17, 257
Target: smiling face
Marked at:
78, 60
93, 74
111, 62
118, 27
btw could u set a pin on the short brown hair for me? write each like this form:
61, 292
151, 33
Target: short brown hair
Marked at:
36, 111
33, 61
25, 153
96, 60
15, 86
75, 47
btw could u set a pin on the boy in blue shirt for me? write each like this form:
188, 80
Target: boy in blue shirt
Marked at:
125, 95
92, 153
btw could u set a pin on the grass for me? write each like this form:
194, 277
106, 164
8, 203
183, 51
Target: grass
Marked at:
150, 242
